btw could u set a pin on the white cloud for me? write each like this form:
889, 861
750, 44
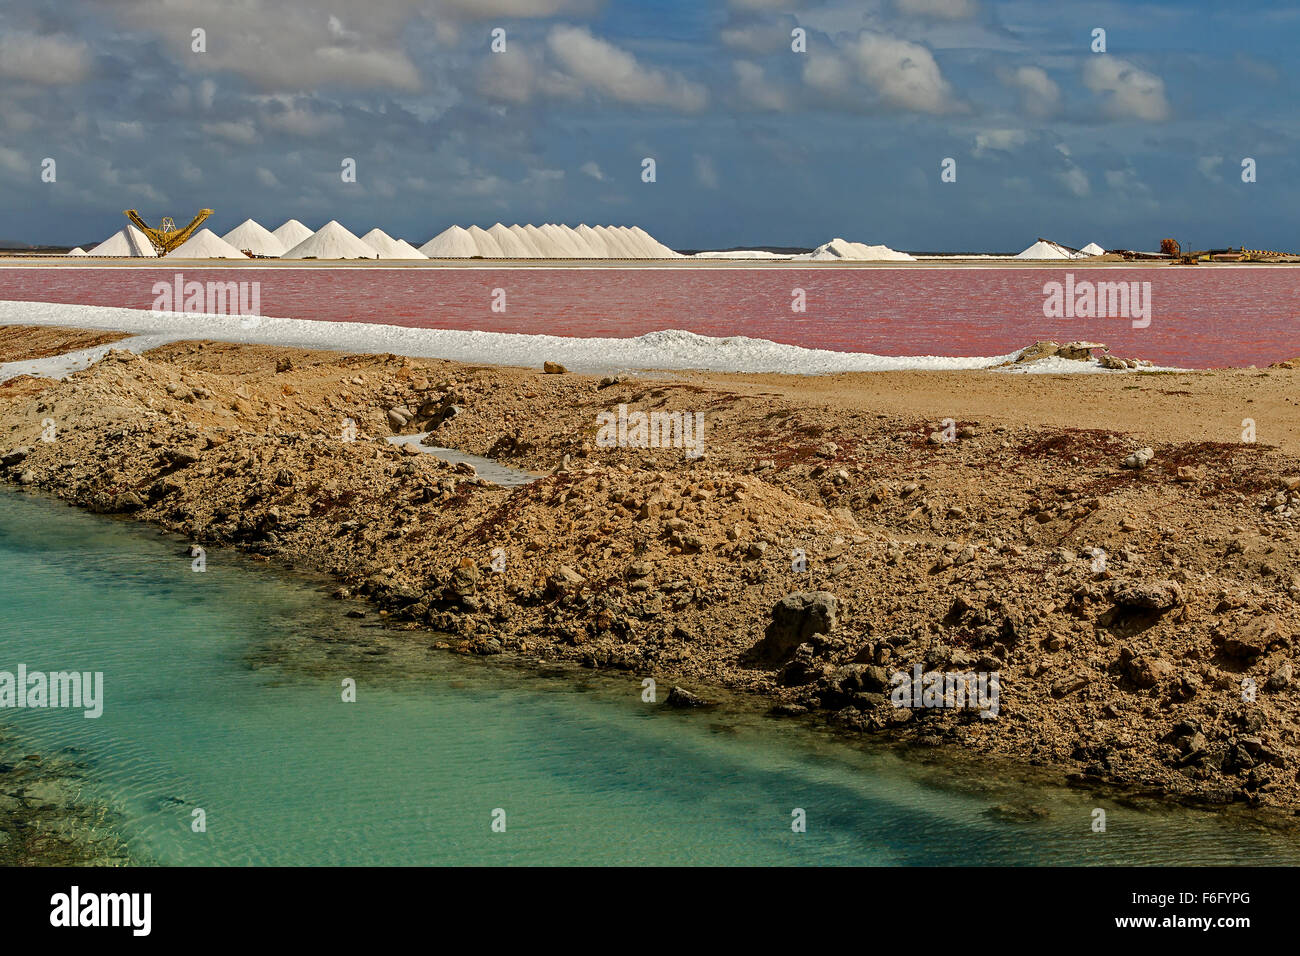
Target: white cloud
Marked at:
1125, 180
481, 9
13, 161
288, 44
266, 177
1039, 95
297, 118
592, 168
705, 173
938, 9
999, 140
756, 37
754, 87
1076, 181
610, 71
903, 73
1128, 92
242, 131
827, 72
47, 60
1208, 166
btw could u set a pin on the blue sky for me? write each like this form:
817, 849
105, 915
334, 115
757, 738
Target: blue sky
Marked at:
753, 142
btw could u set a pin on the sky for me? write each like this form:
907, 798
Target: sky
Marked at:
770, 122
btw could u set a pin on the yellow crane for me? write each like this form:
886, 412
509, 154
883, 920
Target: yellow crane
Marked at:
166, 237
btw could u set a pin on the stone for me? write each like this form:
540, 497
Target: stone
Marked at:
1256, 638
14, 456
553, 368
682, 699
1078, 351
1039, 350
1281, 678
1140, 458
564, 579
1152, 596
795, 618
1148, 671
128, 501
1069, 684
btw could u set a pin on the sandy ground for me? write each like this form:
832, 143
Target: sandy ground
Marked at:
35, 342
835, 532
1166, 406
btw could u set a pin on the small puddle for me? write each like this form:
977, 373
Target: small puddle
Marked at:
486, 468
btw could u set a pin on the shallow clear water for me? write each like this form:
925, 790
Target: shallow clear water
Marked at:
222, 691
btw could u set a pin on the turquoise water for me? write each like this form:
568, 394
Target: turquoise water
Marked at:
223, 692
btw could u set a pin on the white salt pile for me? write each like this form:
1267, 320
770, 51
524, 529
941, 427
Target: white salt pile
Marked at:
616, 242
452, 243
128, 242
842, 249
530, 237
590, 240
251, 236
331, 241
487, 246
1092, 249
510, 245
664, 349
292, 233
1046, 249
78, 252
205, 244
390, 248
548, 241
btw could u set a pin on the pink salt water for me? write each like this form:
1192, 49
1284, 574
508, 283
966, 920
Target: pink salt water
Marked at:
1200, 317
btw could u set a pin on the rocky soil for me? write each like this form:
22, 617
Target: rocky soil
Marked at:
1139, 608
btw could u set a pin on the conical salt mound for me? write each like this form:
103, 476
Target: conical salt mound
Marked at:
592, 243
527, 241
615, 243
545, 244
390, 248
486, 244
1092, 249
251, 236
839, 248
1046, 249
510, 244
562, 240
453, 242
205, 244
78, 252
331, 241
292, 233
128, 242
639, 248
653, 246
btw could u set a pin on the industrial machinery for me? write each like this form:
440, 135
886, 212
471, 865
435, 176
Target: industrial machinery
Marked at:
167, 237
1170, 247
